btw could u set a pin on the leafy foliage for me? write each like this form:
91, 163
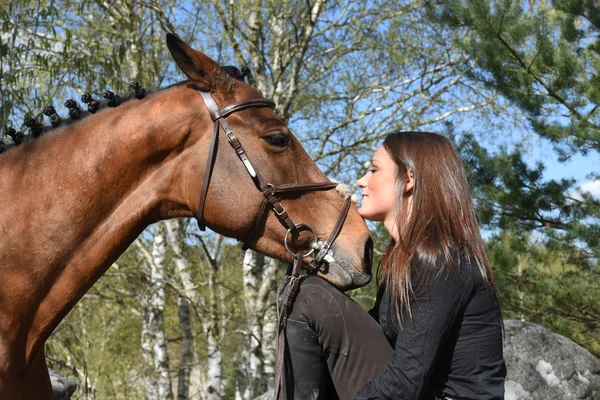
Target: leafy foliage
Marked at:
540, 285
544, 57
511, 196
50, 50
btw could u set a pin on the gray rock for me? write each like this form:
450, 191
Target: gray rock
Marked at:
62, 387
545, 365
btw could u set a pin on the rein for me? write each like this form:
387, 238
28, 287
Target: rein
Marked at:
289, 287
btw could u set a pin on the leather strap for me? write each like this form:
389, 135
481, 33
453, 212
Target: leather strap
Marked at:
303, 187
230, 109
287, 291
315, 263
210, 162
209, 102
280, 390
218, 116
290, 286
284, 188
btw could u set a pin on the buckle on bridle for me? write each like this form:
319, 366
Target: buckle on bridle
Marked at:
229, 134
281, 213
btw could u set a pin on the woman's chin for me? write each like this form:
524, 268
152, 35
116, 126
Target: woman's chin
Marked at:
365, 214
369, 216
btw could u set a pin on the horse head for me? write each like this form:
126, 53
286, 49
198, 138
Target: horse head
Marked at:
232, 199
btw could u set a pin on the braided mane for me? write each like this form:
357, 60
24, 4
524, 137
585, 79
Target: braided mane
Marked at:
93, 104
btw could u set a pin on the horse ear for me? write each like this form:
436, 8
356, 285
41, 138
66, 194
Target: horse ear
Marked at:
201, 69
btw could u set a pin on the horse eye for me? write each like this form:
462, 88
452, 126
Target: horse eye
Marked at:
277, 139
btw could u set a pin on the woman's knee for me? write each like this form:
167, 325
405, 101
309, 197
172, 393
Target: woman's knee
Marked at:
323, 308
312, 294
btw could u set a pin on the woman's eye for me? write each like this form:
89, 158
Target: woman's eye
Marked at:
372, 170
277, 139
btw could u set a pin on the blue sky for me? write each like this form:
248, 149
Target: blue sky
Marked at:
578, 167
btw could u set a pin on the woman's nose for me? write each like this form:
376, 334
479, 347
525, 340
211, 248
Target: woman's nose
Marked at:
362, 182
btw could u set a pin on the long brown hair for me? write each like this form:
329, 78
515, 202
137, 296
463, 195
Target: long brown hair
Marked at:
440, 222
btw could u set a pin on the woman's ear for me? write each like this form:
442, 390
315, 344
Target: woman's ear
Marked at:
410, 181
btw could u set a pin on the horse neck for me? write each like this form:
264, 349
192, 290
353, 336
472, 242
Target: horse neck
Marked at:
77, 199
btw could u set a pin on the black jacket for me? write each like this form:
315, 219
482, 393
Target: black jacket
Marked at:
452, 345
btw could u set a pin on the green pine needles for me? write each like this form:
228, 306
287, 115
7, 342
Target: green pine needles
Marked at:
542, 56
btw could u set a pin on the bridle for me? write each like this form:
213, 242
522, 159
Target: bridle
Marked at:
290, 285
268, 190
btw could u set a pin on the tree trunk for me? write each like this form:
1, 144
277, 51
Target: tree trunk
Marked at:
257, 366
187, 299
269, 327
213, 331
154, 346
186, 352
213, 323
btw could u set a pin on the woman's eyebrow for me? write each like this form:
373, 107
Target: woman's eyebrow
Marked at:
374, 161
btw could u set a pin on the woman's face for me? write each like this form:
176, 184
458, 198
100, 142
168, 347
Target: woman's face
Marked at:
378, 188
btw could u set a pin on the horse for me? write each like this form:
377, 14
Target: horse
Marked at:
76, 197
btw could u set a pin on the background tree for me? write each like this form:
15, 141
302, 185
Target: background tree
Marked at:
50, 50
544, 56
153, 300
187, 302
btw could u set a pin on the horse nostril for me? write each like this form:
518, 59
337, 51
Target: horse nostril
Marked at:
368, 259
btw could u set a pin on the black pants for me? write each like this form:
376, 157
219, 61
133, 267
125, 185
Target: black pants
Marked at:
333, 345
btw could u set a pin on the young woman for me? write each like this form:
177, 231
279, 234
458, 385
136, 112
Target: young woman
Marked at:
435, 331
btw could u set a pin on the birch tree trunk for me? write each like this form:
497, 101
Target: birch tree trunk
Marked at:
213, 331
214, 322
257, 366
189, 298
213, 319
269, 326
154, 346
186, 358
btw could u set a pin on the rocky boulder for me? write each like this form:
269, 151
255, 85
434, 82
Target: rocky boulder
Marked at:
545, 365
62, 387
